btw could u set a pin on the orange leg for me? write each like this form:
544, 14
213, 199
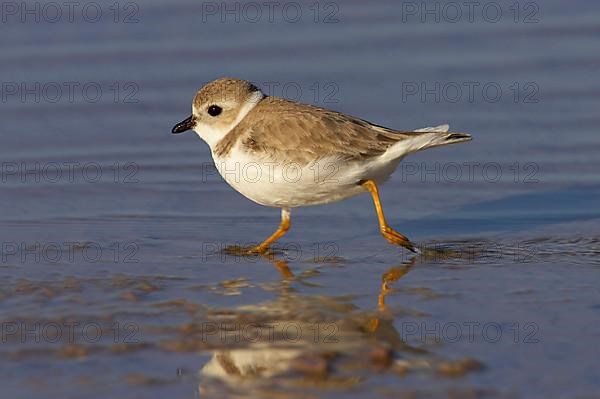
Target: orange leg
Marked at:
386, 231
284, 226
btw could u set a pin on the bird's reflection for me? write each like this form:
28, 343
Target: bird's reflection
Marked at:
335, 335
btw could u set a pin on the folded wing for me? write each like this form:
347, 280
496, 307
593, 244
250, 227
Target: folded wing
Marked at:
282, 129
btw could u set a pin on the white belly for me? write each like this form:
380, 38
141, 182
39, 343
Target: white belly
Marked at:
286, 184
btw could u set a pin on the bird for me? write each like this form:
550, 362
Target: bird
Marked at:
286, 154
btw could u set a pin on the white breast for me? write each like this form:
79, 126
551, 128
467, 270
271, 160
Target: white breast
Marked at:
287, 184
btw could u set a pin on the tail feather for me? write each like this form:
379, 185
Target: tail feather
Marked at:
441, 136
428, 137
452, 138
440, 129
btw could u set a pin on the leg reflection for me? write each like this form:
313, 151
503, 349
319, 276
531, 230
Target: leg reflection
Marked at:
392, 275
280, 264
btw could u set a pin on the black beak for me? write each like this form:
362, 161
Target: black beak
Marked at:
184, 126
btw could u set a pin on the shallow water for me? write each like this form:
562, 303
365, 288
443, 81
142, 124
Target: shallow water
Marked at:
112, 279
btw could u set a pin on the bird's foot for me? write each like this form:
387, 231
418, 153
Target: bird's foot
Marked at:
393, 237
237, 250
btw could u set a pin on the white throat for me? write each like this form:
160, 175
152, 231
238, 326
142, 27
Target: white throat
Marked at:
212, 135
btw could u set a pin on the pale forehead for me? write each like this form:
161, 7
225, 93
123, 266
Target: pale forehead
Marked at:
224, 91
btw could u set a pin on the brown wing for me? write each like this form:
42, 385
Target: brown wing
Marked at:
301, 133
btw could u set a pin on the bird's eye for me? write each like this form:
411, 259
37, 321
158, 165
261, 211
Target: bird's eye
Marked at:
214, 110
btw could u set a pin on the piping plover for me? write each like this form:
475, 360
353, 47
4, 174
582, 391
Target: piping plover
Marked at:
285, 154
